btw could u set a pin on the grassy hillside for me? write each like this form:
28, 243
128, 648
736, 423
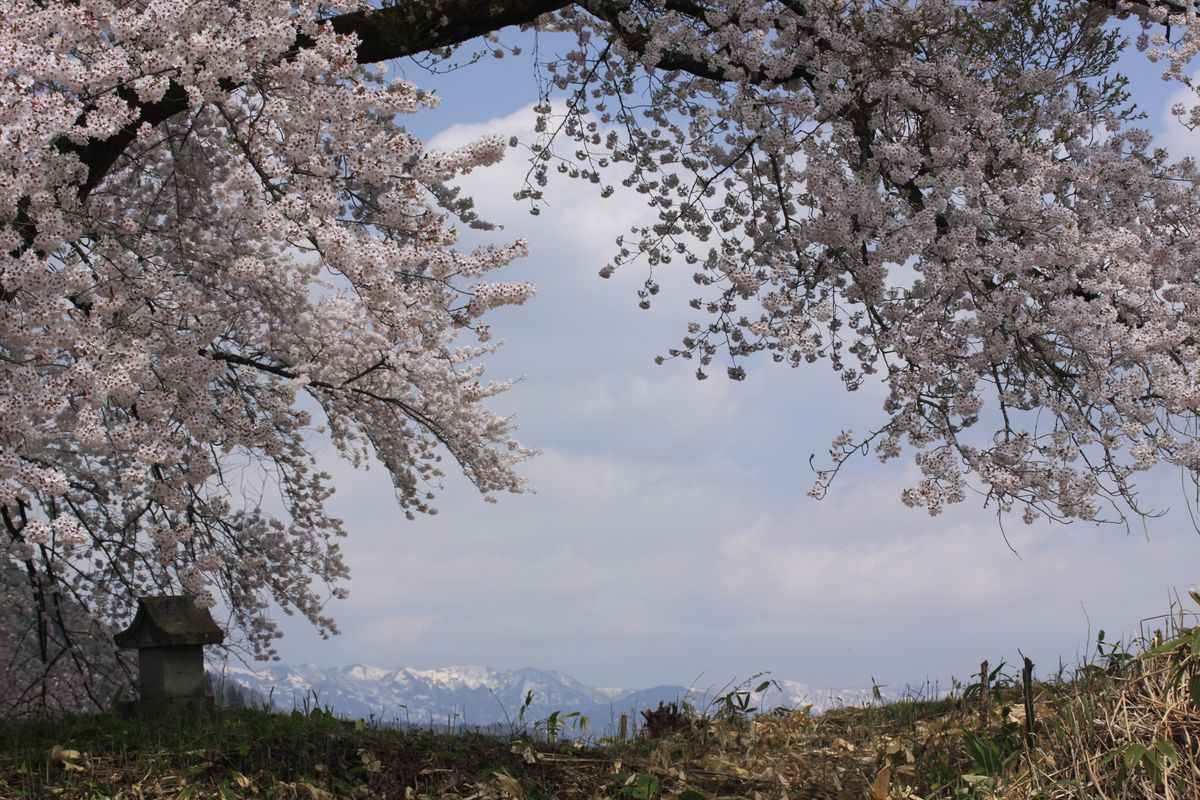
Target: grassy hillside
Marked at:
1126, 725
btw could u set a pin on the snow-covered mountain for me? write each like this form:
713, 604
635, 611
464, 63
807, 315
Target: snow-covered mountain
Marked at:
480, 697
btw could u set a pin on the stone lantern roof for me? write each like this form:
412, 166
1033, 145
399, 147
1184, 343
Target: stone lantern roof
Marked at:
169, 622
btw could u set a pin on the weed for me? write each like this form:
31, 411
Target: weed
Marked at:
735, 703
639, 786
552, 725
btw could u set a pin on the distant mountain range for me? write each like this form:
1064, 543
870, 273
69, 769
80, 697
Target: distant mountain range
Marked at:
480, 697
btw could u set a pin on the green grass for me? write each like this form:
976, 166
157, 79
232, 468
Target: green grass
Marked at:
246, 753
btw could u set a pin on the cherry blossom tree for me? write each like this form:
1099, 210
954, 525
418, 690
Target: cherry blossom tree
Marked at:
221, 245
187, 303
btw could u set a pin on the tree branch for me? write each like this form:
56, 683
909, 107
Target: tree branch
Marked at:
414, 26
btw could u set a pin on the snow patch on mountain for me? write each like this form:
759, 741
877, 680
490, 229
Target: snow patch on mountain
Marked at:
477, 696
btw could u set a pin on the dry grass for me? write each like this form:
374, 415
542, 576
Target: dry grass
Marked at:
1129, 729
253, 754
1126, 726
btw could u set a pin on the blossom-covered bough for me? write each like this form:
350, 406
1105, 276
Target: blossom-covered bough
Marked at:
219, 242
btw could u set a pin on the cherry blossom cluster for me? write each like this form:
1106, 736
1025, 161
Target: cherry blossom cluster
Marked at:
249, 273
951, 198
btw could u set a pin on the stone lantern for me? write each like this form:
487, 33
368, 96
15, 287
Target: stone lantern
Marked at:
169, 634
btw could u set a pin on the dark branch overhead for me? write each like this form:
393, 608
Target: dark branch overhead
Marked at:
414, 27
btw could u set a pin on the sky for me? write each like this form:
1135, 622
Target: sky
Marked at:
671, 539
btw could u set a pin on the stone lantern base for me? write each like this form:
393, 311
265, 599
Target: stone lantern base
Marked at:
167, 706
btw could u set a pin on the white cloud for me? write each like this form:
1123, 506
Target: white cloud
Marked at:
622, 571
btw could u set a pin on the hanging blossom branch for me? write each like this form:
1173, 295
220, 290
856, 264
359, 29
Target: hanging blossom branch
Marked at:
951, 198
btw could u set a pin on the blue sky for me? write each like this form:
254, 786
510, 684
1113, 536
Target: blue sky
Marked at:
670, 539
